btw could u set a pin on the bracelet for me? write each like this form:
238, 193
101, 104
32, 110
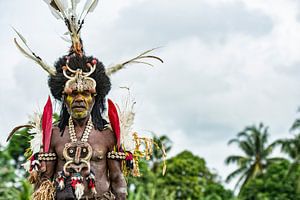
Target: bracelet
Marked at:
47, 156
116, 155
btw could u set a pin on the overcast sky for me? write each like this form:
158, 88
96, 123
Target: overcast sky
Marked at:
228, 64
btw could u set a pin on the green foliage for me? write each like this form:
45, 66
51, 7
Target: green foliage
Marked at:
253, 141
187, 177
274, 184
12, 186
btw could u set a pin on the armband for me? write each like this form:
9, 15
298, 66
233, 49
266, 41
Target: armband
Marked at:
47, 156
116, 155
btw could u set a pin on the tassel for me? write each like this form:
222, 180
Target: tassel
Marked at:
77, 184
34, 168
61, 180
45, 191
129, 160
91, 183
79, 190
33, 176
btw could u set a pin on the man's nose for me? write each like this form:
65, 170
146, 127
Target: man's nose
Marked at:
79, 97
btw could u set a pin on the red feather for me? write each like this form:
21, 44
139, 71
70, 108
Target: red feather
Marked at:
47, 125
114, 120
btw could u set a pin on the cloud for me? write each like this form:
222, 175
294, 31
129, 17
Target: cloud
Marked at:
158, 22
228, 64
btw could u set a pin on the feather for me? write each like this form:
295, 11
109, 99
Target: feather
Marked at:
52, 4
141, 62
138, 59
74, 6
55, 13
20, 36
16, 129
127, 116
61, 7
26, 165
89, 6
66, 39
47, 125
93, 6
36, 131
114, 120
34, 57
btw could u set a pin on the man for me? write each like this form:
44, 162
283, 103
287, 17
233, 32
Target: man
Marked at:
80, 154
82, 141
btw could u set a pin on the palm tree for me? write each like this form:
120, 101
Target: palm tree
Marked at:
253, 142
291, 147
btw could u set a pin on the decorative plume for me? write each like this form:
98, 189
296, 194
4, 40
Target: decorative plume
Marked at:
47, 125
16, 129
36, 131
114, 120
66, 10
136, 60
126, 122
89, 6
30, 54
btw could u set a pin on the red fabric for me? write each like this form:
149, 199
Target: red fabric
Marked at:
47, 125
114, 120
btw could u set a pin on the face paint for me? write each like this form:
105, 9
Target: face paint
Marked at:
79, 104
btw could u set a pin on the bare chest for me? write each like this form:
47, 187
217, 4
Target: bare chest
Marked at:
97, 142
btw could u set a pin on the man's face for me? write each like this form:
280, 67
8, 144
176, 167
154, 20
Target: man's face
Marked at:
79, 104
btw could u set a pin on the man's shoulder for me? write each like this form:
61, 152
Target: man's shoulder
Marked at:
108, 134
55, 132
55, 129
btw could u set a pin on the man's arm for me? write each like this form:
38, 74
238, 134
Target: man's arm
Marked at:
118, 182
47, 167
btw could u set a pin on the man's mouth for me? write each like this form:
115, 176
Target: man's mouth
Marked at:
78, 107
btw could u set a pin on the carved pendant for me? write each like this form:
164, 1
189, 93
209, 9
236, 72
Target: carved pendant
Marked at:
78, 155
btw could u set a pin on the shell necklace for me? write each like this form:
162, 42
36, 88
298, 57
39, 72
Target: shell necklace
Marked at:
86, 132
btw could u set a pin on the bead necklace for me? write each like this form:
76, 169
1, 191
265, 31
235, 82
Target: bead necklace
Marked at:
86, 132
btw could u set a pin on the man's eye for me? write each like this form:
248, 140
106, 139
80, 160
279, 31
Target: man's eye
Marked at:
86, 93
74, 93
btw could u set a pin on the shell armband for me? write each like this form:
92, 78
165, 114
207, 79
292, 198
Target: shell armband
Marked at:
47, 156
114, 155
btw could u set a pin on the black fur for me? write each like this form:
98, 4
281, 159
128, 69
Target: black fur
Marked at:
57, 83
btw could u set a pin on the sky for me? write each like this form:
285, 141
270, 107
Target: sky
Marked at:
227, 64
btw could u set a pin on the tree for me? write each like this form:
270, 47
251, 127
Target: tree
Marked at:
13, 186
273, 184
189, 178
291, 147
253, 142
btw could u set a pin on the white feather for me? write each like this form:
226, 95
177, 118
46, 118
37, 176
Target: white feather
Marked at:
26, 165
93, 5
55, 13
48, 1
126, 117
36, 131
89, 6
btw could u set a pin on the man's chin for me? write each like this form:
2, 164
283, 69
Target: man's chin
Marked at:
79, 115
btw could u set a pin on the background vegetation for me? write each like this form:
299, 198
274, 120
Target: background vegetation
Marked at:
259, 175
